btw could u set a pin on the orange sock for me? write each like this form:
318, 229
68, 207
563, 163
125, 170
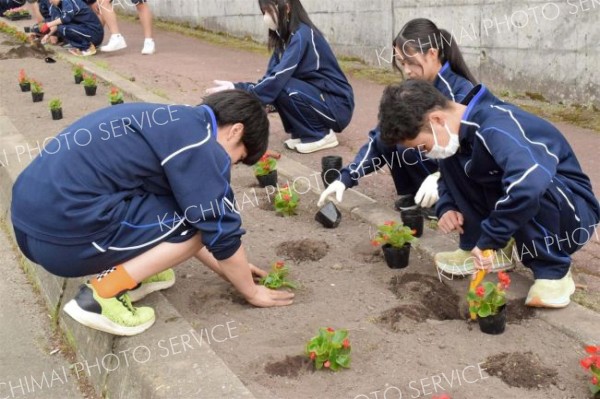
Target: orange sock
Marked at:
112, 282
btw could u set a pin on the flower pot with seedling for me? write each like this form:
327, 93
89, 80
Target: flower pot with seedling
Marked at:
286, 201
396, 240
330, 169
329, 216
413, 218
17, 14
90, 84
265, 171
277, 277
488, 302
591, 363
330, 349
24, 83
37, 91
115, 96
78, 73
56, 109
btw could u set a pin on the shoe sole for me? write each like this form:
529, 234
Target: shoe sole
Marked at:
147, 289
148, 52
290, 146
112, 50
536, 302
324, 147
102, 323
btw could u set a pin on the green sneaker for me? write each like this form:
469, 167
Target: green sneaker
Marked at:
460, 262
112, 315
160, 281
551, 293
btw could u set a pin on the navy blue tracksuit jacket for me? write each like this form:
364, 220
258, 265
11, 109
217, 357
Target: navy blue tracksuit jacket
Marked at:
80, 25
515, 175
409, 168
307, 86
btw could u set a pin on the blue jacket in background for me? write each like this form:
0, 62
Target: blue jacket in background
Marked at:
78, 193
307, 57
517, 157
375, 153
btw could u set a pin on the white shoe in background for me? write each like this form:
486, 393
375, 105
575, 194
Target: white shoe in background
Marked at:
149, 47
115, 43
328, 141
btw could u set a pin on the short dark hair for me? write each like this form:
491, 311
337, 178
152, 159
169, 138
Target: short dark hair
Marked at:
238, 106
403, 109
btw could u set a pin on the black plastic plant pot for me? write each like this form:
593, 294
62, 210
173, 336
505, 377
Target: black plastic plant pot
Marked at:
329, 216
78, 79
413, 219
25, 86
330, 167
396, 258
56, 114
267, 180
90, 90
116, 102
493, 324
37, 97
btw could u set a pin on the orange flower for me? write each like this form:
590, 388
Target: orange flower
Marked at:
286, 197
279, 265
313, 355
327, 364
389, 223
330, 329
346, 343
413, 232
592, 349
374, 243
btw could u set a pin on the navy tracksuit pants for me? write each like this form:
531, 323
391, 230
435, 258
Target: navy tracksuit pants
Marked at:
80, 36
545, 243
308, 113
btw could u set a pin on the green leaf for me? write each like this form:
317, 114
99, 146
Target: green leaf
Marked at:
339, 336
595, 389
473, 309
343, 360
484, 310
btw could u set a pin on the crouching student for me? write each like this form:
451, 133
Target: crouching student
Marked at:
76, 23
6, 5
304, 81
139, 189
507, 173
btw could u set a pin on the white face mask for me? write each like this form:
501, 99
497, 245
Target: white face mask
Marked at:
270, 22
439, 152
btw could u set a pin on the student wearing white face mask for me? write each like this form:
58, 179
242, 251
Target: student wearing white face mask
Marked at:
304, 81
505, 173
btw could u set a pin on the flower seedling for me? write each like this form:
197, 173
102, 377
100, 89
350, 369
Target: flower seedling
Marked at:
277, 277
286, 201
330, 349
78, 70
265, 165
89, 80
115, 95
487, 299
394, 234
36, 87
55, 104
592, 364
23, 79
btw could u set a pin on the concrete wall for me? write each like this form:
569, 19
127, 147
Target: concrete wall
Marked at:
546, 47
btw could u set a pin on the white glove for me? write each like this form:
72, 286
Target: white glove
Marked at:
221, 85
428, 192
336, 187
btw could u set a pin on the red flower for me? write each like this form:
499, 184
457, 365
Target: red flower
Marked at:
597, 362
504, 279
413, 232
286, 197
313, 355
279, 265
327, 364
374, 243
592, 349
330, 329
386, 237
389, 223
594, 380
442, 396
480, 292
346, 343
586, 363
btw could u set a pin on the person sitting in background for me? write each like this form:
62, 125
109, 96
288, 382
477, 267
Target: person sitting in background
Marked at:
6, 5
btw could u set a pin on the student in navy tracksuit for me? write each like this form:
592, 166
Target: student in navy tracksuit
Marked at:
130, 191
507, 173
6, 5
303, 80
428, 53
76, 24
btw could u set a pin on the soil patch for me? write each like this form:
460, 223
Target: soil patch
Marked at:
291, 366
25, 51
303, 250
517, 311
520, 370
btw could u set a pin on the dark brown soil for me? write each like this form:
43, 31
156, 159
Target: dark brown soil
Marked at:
520, 370
517, 311
25, 51
302, 250
423, 297
291, 366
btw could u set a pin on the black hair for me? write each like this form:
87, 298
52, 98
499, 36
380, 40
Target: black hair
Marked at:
420, 35
403, 108
287, 23
238, 106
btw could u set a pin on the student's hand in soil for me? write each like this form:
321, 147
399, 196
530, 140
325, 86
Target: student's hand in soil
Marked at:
263, 297
451, 221
482, 262
257, 272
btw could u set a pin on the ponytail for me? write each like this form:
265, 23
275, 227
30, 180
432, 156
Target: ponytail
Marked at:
452, 54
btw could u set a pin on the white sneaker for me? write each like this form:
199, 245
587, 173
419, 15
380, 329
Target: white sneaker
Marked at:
551, 293
115, 43
328, 141
149, 47
292, 143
